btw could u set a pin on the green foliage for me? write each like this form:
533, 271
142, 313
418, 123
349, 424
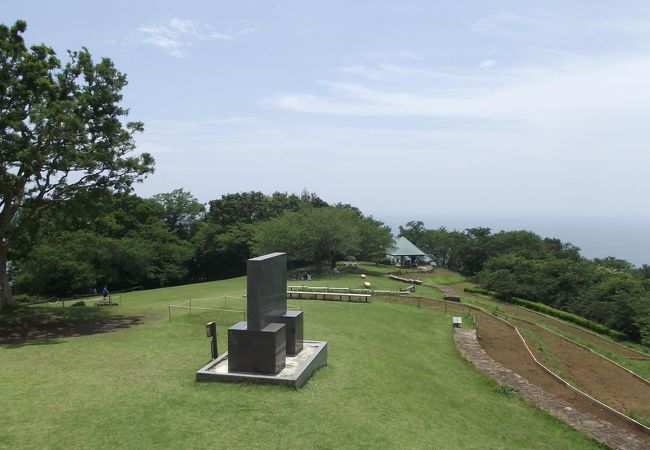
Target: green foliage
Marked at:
324, 234
374, 239
75, 262
540, 307
252, 207
100, 237
506, 390
219, 251
313, 234
223, 240
521, 264
63, 132
443, 246
613, 297
95, 239
241, 207
413, 231
181, 210
641, 419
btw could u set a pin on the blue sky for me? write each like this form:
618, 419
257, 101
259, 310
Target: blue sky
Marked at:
450, 107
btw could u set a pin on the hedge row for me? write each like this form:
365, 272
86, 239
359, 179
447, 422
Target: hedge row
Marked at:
545, 309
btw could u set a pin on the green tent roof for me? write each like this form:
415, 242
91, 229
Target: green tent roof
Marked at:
404, 247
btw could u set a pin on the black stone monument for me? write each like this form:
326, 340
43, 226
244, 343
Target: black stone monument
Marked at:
270, 332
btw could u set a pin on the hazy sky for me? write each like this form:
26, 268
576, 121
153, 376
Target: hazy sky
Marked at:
499, 107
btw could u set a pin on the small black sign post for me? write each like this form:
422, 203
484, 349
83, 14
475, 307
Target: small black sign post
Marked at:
211, 331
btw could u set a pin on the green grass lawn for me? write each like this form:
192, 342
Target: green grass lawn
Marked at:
394, 380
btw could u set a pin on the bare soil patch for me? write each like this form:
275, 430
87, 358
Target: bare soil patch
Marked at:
501, 342
594, 375
612, 436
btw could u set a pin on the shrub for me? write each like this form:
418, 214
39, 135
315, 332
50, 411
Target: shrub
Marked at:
506, 390
545, 309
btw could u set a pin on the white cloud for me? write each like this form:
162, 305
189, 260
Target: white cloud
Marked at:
175, 35
508, 22
487, 63
585, 167
558, 92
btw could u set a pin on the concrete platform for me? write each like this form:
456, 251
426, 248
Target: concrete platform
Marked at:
297, 371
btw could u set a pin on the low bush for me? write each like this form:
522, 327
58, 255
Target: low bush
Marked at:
545, 309
506, 390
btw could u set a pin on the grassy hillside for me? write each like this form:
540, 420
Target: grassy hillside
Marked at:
394, 380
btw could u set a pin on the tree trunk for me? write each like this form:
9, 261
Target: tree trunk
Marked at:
6, 299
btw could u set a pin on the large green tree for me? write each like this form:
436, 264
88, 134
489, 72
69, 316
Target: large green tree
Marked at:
323, 234
62, 131
181, 210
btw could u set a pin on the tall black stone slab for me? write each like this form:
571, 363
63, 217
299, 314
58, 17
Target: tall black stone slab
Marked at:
266, 289
259, 345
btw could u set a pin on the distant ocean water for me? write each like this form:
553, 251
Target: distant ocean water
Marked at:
597, 237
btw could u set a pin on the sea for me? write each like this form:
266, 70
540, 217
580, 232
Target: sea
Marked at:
625, 238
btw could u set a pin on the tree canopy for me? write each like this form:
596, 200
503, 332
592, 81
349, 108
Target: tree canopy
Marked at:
181, 210
323, 234
62, 131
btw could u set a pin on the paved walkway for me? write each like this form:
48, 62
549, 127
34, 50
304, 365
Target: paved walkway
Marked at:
600, 430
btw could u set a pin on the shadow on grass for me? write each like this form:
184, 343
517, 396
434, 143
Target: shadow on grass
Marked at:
38, 325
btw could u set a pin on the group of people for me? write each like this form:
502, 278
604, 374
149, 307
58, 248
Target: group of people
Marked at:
302, 277
307, 276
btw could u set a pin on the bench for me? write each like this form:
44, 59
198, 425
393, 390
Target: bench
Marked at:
338, 289
367, 285
410, 288
405, 280
327, 295
307, 288
457, 321
363, 275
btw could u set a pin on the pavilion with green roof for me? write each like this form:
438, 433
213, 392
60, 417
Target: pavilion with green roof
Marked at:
404, 252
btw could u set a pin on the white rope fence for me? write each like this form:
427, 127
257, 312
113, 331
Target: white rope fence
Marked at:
198, 304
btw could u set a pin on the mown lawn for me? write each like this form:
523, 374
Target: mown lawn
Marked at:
394, 380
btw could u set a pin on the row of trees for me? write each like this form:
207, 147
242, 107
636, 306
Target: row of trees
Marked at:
122, 240
522, 264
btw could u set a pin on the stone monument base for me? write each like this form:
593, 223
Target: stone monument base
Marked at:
297, 371
258, 350
292, 321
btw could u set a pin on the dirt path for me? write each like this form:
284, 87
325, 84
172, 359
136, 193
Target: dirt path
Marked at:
501, 342
594, 375
602, 431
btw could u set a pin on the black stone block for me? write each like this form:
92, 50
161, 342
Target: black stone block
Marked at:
293, 322
261, 351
